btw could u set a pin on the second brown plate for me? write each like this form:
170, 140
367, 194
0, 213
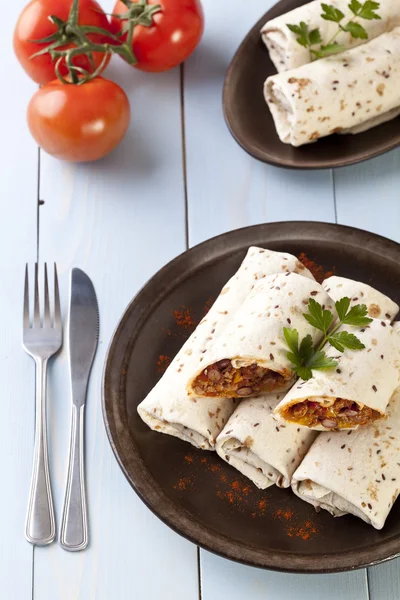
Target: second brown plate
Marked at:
251, 123
194, 491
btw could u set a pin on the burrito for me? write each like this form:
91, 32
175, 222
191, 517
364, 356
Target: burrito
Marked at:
355, 89
262, 448
250, 357
357, 474
168, 408
286, 53
379, 306
354, 393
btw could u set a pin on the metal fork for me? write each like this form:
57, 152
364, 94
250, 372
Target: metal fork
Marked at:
42, 338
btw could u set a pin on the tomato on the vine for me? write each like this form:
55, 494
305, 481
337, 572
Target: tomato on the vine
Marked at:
34, 24
175, 32
79, 122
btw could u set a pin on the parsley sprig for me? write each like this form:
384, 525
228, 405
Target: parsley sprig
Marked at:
311, 39
304, 357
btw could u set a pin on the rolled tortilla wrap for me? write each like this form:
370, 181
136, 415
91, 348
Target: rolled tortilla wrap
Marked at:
356, 392
358, 473
168, 408
337, 93
258, 445
286, 53
379, 306
250, 357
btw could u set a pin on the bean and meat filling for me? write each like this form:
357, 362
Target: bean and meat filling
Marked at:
342, 414
221, 379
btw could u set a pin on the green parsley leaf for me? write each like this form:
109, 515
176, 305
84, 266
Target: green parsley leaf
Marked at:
329, 49
368, 10
295, 29
317, 317
343, 339
315, 37
357, 316
302, 32
306, 349
342, 306
330, 13
292, 339
355, 7
320, 361
304, 373
356, 30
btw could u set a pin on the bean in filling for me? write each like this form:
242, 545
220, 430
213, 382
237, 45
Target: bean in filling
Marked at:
222, 379
342, 414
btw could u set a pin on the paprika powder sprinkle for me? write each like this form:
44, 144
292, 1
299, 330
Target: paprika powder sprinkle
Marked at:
208, 304
184, 318
304, 531
163, 363
316, 269
184, 483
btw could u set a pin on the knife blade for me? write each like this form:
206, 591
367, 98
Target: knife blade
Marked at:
83, 340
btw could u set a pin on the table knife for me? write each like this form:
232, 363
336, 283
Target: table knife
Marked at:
83, 339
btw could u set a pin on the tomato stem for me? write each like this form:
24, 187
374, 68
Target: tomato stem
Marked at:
138, 13
70, 33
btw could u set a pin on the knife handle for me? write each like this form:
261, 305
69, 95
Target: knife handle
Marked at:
74, 526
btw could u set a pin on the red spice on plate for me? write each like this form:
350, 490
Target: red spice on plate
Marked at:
184, 318
208, 304
163, 363
317, 270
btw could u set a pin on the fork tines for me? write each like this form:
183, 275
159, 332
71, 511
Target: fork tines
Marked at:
46, 321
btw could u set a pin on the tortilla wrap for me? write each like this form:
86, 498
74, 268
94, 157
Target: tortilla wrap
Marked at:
168, 408
356, 472
354, 393
348, 92
379, 306
262, 448
250, 357
286, 53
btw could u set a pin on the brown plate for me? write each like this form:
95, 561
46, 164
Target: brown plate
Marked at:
251, 123
193, 491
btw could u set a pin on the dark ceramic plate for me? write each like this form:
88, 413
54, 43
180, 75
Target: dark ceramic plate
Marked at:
251, 123
193, 491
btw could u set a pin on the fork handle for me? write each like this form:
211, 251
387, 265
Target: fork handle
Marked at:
74, 527
40, 528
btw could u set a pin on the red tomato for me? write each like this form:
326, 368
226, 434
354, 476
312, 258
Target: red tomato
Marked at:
79, 122
33, 24
175, 33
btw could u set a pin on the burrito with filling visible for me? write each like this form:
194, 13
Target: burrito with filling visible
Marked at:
286, 53
261, 447
250, 357
345, 93
354, 393
358, 473
168, 408
379, 306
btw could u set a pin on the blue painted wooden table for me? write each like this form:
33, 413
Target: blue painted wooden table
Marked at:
177, 179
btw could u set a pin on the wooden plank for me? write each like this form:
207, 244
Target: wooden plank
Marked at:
18, 240
120, 220
228, 189
367, 196
224, 578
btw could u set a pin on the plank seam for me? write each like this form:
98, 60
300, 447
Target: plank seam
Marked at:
185, 191
367, 582
184, 161
199, 572
38, 208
